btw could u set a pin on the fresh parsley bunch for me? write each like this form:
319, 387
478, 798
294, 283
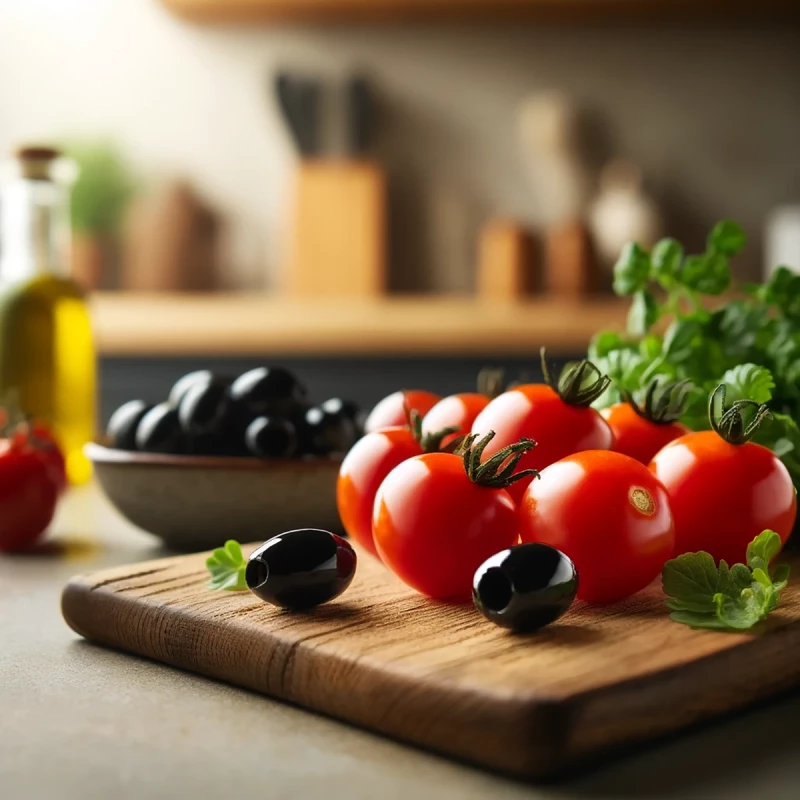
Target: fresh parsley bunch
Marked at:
704, 595
750, 344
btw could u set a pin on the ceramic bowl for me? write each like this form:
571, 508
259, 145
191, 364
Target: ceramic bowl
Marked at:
197, 502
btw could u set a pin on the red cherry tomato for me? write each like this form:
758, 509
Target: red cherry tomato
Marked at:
434, 527
456, 411
369, 461
50, 452
391, 411
535, 411
28, 495
723, 495
636, 436
609, 514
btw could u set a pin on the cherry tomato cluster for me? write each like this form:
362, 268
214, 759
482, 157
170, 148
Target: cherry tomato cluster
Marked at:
32, 476
441, 489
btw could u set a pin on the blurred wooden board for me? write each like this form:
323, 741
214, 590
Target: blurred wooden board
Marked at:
239, 324
333, 11
441, 676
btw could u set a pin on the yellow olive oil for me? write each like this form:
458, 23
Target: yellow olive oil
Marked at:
47, 357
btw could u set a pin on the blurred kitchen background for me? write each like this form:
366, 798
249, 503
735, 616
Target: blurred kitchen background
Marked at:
399, 191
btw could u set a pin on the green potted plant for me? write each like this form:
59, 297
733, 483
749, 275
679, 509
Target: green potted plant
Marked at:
100, 195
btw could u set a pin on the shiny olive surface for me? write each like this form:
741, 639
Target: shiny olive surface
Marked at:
270, 437
525, 587
160, 431
124, 422
322, 433
301, 569
189, 381
268, 391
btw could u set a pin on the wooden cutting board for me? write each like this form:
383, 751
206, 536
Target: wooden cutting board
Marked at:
441, 676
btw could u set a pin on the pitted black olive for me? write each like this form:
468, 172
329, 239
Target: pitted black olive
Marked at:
301, 569
525, 587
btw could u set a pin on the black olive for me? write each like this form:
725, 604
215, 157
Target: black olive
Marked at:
525, 587
204, 409
159, 431
322, 433
336, 405
190, 380
271, 437
267, 392
122, 426
301, 569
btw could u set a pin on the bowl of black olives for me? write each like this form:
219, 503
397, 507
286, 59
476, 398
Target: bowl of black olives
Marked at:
226, 458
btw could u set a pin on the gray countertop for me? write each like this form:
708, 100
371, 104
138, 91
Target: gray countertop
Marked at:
79, 721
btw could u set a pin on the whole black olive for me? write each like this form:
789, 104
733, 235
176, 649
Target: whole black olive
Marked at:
121, 430
190, 380
271, 437
267, 392
322, 433
204, 409
159, 431
525, 587
301, 569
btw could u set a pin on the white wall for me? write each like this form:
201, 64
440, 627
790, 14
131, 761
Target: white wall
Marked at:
713, 115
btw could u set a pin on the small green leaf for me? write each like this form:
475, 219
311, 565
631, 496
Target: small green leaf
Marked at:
749, 382
692, 580
227, 566
704, 595
727, 238
631, 270
666, 261
643, 313
762, 550
604, 342
680, 339
650, 346
739, 613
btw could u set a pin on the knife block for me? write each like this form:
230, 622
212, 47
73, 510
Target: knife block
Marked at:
338, 232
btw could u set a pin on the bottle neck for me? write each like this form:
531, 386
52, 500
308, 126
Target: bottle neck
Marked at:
34, 229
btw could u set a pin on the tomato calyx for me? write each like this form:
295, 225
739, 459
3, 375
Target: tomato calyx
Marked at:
580, 382
491, 382
498, 471
664, 403
432, 442
731, 424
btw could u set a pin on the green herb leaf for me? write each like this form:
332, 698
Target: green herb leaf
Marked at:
643, 313
604, 342
702, 594
631, 270
726, 238
762, 550
666, 261
227, 566
749, 382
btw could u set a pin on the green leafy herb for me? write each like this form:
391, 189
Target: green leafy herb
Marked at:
703, 594
752, 345
227, 566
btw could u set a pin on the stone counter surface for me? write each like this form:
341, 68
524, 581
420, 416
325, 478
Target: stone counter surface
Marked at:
79, 721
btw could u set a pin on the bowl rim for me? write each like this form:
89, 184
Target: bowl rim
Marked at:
100, 454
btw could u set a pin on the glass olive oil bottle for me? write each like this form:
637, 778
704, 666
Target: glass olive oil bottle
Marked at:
47, 358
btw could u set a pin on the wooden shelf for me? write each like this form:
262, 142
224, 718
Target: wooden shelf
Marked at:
178, 325
314, 11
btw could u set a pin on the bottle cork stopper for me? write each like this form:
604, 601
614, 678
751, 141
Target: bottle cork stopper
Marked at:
35, 161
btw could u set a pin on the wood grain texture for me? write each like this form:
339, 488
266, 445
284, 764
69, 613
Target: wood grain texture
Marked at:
233, 324
441, 676
340, 11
